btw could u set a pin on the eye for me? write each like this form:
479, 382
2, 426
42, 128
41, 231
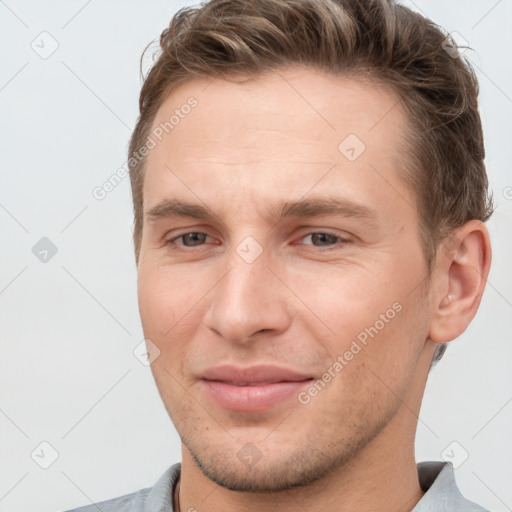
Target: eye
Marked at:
192, 239
320, 239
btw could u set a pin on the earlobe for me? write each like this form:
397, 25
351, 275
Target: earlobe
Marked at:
463, 270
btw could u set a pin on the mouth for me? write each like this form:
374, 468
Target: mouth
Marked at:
252, 389
251, 383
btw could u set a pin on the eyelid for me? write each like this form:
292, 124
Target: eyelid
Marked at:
174, 238
177, 232
342, 240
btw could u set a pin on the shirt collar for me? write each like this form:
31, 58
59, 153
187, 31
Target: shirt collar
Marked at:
437, 480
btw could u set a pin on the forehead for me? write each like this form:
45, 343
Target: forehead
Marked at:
302, 102
276, 131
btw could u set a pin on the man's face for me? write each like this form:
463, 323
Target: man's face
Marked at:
268, 275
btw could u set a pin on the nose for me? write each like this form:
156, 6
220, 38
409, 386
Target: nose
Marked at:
249, 300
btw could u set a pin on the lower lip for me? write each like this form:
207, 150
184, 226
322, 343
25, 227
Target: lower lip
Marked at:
252, 398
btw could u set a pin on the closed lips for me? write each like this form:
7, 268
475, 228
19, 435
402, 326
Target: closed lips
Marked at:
257, 383
256, 375
252, 389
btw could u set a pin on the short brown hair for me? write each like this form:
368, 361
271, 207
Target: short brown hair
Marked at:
376, 39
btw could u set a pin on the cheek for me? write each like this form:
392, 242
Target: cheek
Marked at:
371, 317
346, 299
166, 298
171, 310
373, 371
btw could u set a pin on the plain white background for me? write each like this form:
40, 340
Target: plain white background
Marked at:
68, 375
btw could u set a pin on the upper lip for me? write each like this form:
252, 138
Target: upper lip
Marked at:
257, 374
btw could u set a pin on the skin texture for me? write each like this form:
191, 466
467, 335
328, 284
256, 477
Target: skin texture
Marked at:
302, 302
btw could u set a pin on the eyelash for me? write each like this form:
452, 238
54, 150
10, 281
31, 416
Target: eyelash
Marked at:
340, 240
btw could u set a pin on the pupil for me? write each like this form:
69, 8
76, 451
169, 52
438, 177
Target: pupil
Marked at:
193, 237
323, 238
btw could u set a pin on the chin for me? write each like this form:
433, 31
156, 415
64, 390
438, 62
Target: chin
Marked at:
276, 468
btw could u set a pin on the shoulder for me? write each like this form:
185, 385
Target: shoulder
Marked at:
126, 503
150, 499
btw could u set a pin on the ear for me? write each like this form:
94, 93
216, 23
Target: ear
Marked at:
462, 266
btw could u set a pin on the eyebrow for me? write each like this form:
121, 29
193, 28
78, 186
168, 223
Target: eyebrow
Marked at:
305, 208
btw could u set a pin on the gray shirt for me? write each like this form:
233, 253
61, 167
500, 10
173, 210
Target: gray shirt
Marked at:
436, 479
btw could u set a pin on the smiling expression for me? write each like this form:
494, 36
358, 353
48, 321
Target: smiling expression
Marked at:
276, 230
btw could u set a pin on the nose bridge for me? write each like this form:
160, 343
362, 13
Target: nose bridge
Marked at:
247, 300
